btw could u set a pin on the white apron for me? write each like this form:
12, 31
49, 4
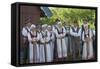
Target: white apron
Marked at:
47, 46
42, 49
50, 46
33, 49
87, 48
61, 44
66, 37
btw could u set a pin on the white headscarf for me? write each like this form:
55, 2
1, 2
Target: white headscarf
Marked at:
59, 23
32, 26
49, 26
44, 25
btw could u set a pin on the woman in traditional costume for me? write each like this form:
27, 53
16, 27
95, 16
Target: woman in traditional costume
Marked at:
87, 44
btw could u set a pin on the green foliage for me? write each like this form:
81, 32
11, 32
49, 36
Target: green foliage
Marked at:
68, 15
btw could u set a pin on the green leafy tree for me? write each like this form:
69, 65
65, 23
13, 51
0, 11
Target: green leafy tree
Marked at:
68, 15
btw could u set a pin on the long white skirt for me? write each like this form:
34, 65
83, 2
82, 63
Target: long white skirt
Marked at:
52, 49
87, 51
42, 53
48, 53
31, 53
34, 53
61, 48
66, 41
37, 53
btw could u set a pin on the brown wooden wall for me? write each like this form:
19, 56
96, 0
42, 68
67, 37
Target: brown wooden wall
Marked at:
32, 12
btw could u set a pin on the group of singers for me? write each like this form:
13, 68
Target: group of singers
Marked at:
50, 43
